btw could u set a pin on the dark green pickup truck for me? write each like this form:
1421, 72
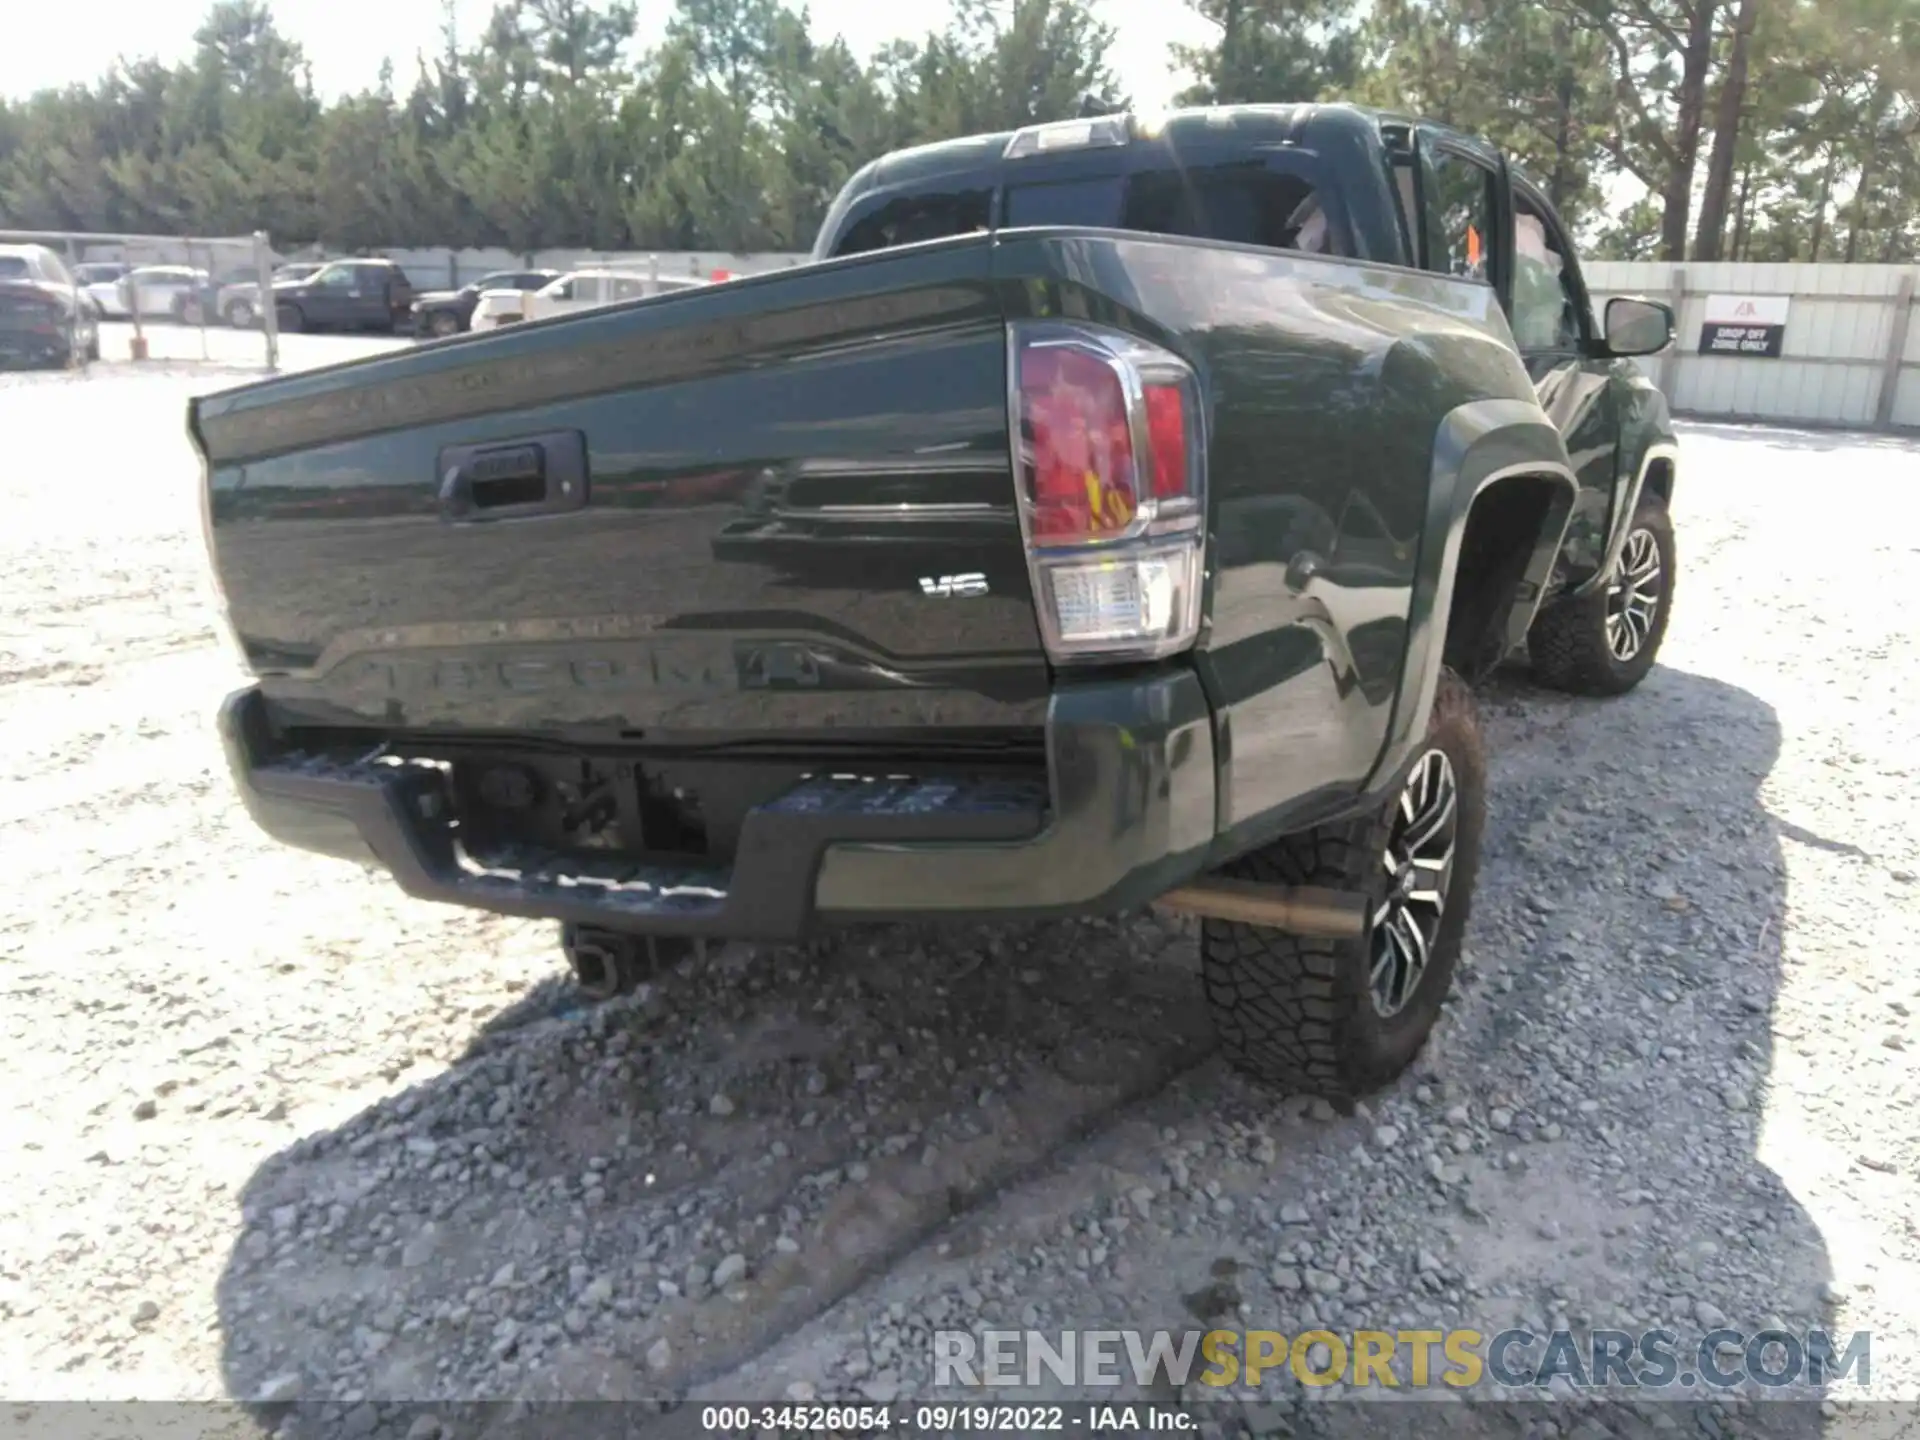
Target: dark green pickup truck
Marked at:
1116, 514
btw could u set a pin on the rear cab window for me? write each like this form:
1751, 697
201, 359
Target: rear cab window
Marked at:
909, 219
1271, 198
1269, 201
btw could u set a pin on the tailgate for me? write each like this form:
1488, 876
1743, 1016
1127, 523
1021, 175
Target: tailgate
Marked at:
783, 504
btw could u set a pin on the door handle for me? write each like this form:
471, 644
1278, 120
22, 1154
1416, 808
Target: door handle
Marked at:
514, 479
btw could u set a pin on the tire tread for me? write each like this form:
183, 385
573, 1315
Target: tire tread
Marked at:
1284, 1006
1567, 643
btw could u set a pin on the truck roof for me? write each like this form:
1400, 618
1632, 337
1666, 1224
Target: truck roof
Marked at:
1344, 135
1308, 123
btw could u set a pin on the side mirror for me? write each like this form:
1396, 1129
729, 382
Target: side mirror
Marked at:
1638, 327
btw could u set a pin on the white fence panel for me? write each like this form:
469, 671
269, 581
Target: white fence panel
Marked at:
1836, 366
437, 269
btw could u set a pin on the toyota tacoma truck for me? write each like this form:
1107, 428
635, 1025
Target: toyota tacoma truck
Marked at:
1116, 513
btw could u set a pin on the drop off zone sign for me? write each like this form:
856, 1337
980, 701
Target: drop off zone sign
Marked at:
1751, 325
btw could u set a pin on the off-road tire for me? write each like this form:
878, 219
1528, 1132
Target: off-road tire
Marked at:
1568, 642
1298, 1013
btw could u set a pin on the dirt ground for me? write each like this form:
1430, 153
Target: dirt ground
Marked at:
275, 1132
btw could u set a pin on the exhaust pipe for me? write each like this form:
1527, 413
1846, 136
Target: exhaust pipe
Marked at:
1304, 910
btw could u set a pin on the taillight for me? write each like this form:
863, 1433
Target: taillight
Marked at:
1111, 472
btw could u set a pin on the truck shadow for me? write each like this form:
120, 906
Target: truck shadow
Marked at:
552, 1211
1626, 964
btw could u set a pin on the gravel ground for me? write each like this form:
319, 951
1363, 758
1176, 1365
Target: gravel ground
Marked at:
275, 1132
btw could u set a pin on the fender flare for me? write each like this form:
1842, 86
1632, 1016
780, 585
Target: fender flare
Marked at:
1477, 445
1629, 501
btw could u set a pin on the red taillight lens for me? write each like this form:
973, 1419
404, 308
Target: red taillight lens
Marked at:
1082, 474
1167, 440
1112, 477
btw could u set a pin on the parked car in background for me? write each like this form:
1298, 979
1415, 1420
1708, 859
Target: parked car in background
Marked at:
448, 312
345, 295
160, 292
578, 290
43, 322
34, 262
43, 266
99, 281
238, 301
494, 308
99, 272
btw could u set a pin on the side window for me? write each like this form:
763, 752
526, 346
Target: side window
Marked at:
1243, 204
907, 219
337, 277
1459, 215
1546, 307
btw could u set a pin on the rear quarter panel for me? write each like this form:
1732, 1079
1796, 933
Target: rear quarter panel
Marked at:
1330, 385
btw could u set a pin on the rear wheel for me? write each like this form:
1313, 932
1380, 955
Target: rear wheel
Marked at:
1342, 1017
1604, 643
240, 314
441, 323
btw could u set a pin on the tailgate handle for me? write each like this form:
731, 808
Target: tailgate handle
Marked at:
514, 479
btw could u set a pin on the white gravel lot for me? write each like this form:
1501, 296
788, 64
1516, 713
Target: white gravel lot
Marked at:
273, 1130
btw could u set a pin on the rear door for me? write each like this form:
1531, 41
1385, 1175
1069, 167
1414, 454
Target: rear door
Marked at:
561, 298
370, 299
329, 298
399, 294
583, 292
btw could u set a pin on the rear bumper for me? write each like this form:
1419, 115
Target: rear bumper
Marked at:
1127, 812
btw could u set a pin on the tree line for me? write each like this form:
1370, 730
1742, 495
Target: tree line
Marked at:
1672, 129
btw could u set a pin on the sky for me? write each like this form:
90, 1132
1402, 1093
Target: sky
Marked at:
50, 51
